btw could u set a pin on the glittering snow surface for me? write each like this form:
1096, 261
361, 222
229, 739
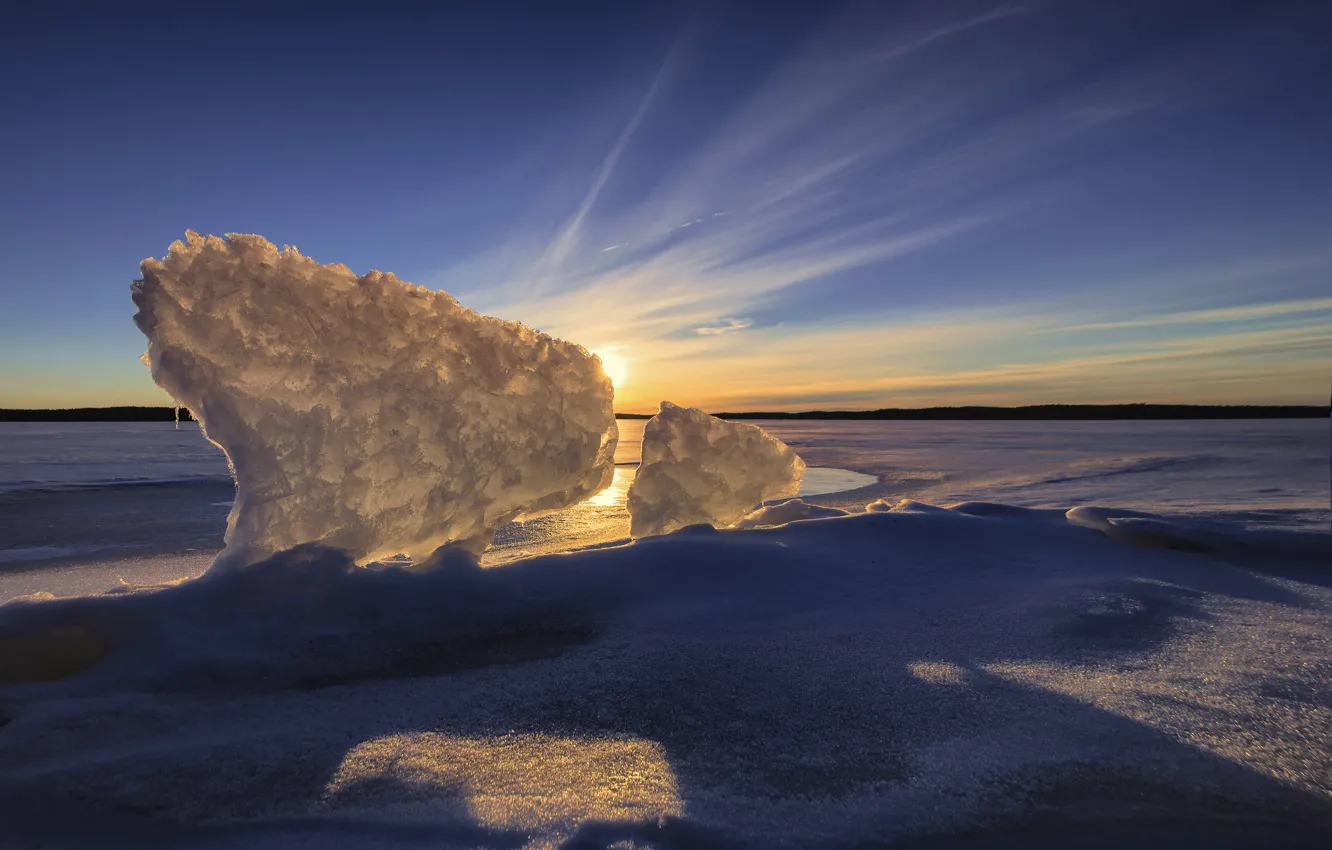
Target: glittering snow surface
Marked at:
851, 681
367, 413
698, 469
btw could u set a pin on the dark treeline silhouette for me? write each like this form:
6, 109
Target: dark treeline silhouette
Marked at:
1035, 412
96, 414
1048, 412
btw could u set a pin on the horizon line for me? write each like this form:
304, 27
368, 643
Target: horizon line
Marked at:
1051, 411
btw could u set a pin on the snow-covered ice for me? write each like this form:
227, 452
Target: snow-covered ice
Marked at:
1004, 663
85, 505
363, 412
847, 681
698, 469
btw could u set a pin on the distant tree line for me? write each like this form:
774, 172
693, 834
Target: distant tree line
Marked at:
1035, 412
1045, 412
97, 414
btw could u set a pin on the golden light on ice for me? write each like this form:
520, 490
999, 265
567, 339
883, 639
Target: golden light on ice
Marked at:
616, 493
519, 781
614, 364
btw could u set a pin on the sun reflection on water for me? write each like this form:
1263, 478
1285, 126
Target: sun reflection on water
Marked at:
617, 492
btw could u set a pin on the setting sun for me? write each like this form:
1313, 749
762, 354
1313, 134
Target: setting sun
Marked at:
615, 365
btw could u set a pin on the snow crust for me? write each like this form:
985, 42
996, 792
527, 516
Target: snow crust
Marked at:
697, 469
791, 510
363, 412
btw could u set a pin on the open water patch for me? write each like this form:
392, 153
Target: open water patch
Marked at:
820, 481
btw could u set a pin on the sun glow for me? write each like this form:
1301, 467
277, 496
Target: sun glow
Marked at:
614, 364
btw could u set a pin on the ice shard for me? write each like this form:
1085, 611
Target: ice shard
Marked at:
363, 412
697, 468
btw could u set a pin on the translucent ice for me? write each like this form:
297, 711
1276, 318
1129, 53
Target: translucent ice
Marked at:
697, 468
784, 512
366, 413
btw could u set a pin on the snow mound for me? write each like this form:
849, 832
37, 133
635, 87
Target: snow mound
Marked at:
790, 511
1138, 529
1202, 535
366, 413
911, 506
305, 617
697, 468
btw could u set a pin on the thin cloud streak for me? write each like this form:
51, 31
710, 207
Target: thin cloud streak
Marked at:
1244, 313
724, 326
944, 32
563, 244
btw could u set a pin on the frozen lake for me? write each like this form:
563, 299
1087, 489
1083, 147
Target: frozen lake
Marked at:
839, 682
86, 503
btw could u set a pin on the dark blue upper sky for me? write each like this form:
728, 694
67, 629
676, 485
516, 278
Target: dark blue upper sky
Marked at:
751, 204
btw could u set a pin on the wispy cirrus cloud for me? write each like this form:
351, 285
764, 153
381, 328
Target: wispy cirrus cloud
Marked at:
1218, 315
566, 240
867, 147
723, 326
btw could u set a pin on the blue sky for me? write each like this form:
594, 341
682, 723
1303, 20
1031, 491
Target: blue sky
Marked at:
750, 205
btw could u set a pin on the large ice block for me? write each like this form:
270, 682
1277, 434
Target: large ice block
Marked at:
697, 468
363, 412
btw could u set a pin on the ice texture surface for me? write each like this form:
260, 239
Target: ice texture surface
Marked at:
789, 511
697, 468
363, 412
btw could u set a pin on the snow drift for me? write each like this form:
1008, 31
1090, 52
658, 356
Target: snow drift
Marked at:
366, 413
793, 510
697, 468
